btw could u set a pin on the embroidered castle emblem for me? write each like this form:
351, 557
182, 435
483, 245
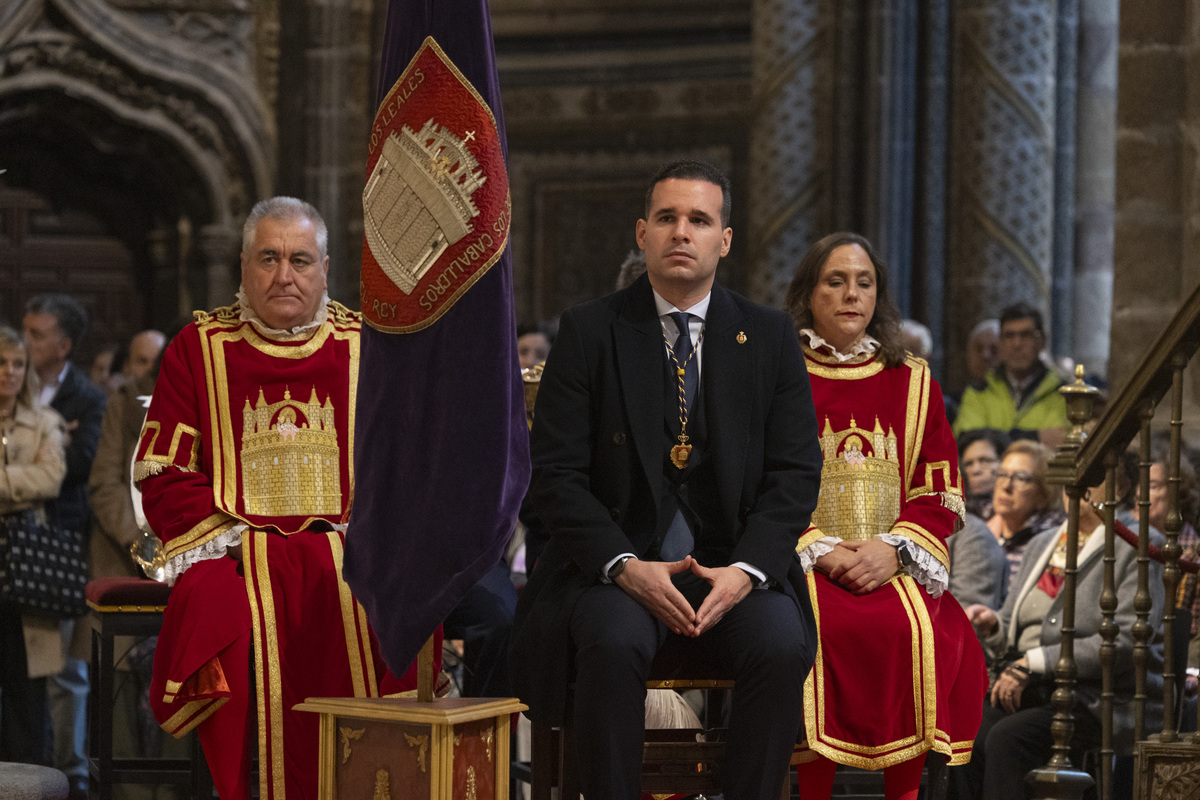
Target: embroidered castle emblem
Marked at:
860, 482
290, 457
436, 205
418, 201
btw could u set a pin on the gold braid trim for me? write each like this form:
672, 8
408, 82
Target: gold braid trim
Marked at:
223, 314
340, 315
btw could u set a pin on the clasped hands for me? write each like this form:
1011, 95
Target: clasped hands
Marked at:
860, 566
649, 582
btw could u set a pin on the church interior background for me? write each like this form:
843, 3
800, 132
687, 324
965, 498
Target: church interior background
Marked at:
993, 150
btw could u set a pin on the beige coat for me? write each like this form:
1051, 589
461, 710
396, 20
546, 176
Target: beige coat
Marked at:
33, 468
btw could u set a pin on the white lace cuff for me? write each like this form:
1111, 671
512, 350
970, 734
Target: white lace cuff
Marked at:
810, 554
213, 548
926, 569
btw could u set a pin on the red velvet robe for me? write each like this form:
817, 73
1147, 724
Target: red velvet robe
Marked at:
897, 673
246, 428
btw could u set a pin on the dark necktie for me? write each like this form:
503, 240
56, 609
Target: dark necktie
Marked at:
685, 358
678, 540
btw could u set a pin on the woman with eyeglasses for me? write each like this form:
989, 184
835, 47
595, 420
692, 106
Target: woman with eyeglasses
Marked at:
1022, 504
899, 672
978, 459
1015, 736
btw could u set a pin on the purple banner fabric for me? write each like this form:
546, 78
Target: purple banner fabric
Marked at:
441, 447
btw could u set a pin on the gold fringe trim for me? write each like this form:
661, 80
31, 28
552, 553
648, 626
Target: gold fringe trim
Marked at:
955, 503
146, 469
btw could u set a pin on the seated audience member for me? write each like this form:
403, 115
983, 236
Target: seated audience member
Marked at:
983, 350
1022, 503
1186, 597
916, 338
114, 529
978, 567
32, 466
1020, 395
533, 345
106, 366
483, 620
1015, 737
978, 460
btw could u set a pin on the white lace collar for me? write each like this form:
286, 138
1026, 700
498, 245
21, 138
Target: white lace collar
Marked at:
248, 315
866, 345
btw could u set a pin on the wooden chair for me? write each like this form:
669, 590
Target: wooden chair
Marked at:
682, 760
129, 607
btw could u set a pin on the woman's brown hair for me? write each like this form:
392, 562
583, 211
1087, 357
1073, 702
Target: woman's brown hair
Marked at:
885, 322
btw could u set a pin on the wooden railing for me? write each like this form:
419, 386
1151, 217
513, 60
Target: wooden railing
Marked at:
1167, 763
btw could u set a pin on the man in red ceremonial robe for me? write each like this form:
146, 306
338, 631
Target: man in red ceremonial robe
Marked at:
245, 466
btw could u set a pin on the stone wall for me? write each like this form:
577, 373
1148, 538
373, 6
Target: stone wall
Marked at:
1157, 220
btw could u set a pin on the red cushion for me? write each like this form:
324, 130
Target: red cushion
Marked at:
127, 592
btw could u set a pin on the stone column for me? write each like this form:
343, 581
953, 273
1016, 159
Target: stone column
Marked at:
1002, 189
789, 139
1095, 183
1063, 259
219, 246
1154, 249
338, 116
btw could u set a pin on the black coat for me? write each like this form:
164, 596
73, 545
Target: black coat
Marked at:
81, 404
598, 454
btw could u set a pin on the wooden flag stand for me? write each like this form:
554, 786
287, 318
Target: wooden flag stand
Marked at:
404, 748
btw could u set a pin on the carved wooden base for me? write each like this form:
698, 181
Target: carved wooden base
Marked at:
393, 748
1167, 771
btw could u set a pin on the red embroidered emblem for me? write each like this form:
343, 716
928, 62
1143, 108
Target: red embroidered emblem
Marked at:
436, 205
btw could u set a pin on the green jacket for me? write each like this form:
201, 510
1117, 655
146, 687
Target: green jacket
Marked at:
991, 406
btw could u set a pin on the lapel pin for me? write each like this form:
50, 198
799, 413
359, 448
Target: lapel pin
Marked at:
741, 337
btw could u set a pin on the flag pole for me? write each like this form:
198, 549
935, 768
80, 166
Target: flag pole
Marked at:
425, 672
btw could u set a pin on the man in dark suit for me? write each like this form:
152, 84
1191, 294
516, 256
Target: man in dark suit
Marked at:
676, 462
53, 326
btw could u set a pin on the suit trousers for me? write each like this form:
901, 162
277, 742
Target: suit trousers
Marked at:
760, 643
1009, 746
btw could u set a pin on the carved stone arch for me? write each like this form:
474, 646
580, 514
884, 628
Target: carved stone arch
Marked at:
187, 106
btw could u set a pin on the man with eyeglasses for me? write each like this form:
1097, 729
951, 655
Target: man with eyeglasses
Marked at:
1021, 394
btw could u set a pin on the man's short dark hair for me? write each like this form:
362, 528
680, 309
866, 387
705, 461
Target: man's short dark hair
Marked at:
690, 169
68, 312
1022, 311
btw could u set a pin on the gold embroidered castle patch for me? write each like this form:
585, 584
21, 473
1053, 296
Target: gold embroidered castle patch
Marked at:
290, 457
860, 482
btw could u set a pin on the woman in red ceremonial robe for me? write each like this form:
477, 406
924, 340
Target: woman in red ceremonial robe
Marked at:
899, 671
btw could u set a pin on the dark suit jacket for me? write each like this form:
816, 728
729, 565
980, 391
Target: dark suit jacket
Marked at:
78, 400
598, 449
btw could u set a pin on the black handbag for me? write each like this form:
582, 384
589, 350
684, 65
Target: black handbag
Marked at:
42, 567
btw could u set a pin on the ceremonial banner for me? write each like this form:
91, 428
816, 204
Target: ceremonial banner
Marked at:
441, 455
436, 206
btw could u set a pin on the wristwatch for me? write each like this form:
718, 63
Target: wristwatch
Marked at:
904, 556
617, 568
